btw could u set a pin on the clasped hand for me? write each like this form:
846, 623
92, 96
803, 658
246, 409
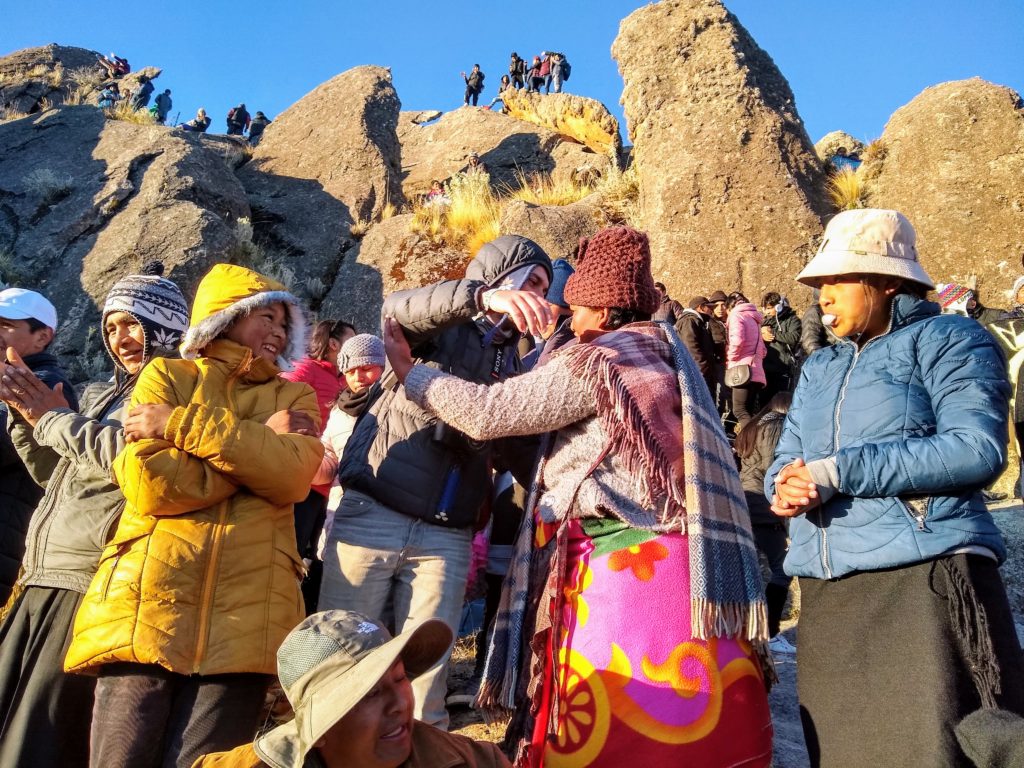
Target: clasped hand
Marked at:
795, 491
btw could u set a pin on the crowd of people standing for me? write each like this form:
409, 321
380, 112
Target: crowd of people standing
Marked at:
241, 506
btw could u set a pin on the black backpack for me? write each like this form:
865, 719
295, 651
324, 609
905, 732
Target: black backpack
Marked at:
566, 68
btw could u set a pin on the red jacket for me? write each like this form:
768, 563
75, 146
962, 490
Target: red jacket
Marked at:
326, 383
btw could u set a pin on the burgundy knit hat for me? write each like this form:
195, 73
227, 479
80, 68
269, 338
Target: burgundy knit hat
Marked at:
613, 269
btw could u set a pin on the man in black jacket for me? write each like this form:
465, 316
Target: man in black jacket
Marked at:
414, 486
781, 333
27, 323
693, 328
474, 85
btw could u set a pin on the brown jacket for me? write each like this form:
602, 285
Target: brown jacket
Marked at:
431, 748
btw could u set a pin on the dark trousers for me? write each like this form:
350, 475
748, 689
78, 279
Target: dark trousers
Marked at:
890, 661
147, 717
472, 94
772, 543
743, 399
44, 713
310, 514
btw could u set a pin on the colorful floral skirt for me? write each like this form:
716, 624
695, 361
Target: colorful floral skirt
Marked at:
635, 689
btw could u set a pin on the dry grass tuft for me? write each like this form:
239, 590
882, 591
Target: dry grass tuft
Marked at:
846, 189
47, 184
620, 196
873, 151
123, 111
359, 228
541, 189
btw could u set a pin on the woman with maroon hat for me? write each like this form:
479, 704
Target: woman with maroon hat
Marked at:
633, 604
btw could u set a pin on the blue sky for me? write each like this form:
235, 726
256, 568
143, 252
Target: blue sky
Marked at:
848, 71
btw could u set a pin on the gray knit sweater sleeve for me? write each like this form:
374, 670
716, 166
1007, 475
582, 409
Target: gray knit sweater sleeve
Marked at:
545, 399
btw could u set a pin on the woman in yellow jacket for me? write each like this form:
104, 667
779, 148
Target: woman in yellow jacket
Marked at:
200, 583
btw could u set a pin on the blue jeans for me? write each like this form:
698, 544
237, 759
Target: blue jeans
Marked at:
376, 558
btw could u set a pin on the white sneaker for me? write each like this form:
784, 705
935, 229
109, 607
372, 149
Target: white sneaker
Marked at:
779, 644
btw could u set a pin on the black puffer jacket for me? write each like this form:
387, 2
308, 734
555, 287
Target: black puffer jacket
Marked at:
398, 453
783, 355
754, 466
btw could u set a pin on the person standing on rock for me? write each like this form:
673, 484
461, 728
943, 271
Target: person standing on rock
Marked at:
257, 126
238, 121
474, 85
905, 627
45, 713
140, 99
414, 486
534, 79
559, 70
163, 106
517, 71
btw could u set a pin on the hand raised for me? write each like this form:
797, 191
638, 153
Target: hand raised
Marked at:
25, 392
397, 348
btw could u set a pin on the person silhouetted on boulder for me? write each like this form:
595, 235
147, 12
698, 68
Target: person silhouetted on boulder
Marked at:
109, 96
559, 71
517, 71
114, 65
842, 159
474, 84
163, 106
238, 120
140, 99
534, 78
256, 127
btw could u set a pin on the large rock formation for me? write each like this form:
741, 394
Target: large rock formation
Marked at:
555, 228
84, 200
730, 187
587, 121
330, 159
952, 160
509, 148
827, 145
36, 77
391, 257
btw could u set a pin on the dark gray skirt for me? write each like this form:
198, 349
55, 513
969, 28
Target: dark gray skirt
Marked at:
44, 713
888, 662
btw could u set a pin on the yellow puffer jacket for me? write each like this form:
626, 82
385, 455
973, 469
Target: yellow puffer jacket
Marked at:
202, 576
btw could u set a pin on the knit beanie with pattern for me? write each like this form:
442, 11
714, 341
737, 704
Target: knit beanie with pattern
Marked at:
613, 269
157, 304
360, 350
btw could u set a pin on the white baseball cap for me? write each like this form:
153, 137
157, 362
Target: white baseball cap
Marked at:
22, 304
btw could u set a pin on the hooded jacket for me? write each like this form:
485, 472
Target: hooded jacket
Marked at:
910, 427
399, 454
202, 574
746, 347
783, 355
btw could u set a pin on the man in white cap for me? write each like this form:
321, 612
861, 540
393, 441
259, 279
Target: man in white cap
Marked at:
27, 325
348, 682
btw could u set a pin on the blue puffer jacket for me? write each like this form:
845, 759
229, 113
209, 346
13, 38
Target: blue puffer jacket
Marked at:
916, 424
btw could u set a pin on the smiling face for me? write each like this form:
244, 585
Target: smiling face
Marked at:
264, 331
127, 340
377, 732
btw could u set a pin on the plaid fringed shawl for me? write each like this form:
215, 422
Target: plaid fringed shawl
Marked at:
662, 426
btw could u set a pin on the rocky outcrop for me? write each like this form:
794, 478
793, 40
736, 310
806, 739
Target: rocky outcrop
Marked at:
587, 121
330, 159
730, 187
952, 160
826, 146
509, 148
555, 228
36, 77
389, 258
84, 200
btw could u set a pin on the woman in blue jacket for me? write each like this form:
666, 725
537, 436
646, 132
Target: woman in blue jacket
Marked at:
905, 626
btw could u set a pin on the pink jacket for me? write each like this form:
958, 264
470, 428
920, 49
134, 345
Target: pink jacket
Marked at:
745, 344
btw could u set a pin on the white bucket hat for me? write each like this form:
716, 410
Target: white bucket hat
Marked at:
868, 241
328, 664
